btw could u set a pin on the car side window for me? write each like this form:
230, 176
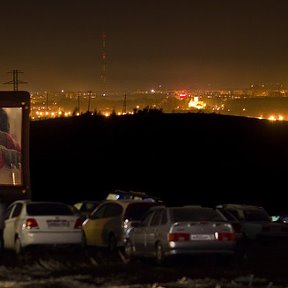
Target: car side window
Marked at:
234, 213
163, 217
156, 218
8, 212
16, 212
99, 213
113, 210
147, 217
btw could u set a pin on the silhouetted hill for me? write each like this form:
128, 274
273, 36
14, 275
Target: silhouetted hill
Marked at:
183, 158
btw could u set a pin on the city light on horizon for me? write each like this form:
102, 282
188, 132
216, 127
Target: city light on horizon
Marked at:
227, 102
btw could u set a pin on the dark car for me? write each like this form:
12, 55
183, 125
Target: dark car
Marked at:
234, 221
256, 222
280, 218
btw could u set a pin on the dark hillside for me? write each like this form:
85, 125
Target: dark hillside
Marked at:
183, 158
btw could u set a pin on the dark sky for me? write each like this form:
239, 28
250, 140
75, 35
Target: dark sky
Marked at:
174, 43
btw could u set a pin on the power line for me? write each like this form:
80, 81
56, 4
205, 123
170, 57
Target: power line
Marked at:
15, 80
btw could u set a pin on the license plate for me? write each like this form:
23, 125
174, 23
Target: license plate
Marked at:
202, 237
57, 223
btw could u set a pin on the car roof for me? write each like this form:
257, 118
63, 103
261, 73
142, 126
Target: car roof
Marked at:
130, 195
126, 203
80, 203
28, 201
88, 201
240, 206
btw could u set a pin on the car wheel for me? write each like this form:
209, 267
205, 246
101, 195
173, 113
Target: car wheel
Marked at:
112, 243
18, 247
84, 247
83, 242
129, 250
159, 253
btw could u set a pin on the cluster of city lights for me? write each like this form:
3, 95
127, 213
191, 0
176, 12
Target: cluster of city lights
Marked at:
196, 103
273, 118
38, 115
50, 114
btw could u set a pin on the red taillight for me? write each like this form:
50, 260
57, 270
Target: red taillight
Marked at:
222, 236
78, 224
31, 223
178, 237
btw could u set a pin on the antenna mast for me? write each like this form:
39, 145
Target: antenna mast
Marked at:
103, 66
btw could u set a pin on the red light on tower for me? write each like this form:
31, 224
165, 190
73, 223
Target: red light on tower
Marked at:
182, 94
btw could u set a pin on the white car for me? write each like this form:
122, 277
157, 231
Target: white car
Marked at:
31, 223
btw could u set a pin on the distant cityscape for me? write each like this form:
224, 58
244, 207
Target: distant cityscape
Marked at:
256, 101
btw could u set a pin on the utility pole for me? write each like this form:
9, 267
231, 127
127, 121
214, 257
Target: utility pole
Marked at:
47, 106
89, 100
78, 100
124, 107
15, 80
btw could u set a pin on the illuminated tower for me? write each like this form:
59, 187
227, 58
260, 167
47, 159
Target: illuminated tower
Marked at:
103, 64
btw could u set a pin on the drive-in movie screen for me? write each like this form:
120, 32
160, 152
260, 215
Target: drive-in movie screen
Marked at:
14, 123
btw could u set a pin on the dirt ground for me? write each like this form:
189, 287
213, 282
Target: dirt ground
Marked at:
263, 261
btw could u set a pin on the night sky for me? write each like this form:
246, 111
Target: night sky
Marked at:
173, 44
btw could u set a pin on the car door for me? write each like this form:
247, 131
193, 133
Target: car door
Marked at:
10, 229
138, 235
100, 223
152, 232
91, 227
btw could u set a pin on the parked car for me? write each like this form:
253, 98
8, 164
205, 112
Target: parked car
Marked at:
280, 218
40, 224
85, 207
168, 231
235, 222
256, 222
107, 226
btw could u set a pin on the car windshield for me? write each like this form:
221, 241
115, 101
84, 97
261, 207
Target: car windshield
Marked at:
195, 214
42, 209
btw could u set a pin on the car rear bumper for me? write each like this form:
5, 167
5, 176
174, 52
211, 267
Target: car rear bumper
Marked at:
43, 238
200, 248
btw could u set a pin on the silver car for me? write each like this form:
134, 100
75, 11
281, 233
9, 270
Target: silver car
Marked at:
167, 231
